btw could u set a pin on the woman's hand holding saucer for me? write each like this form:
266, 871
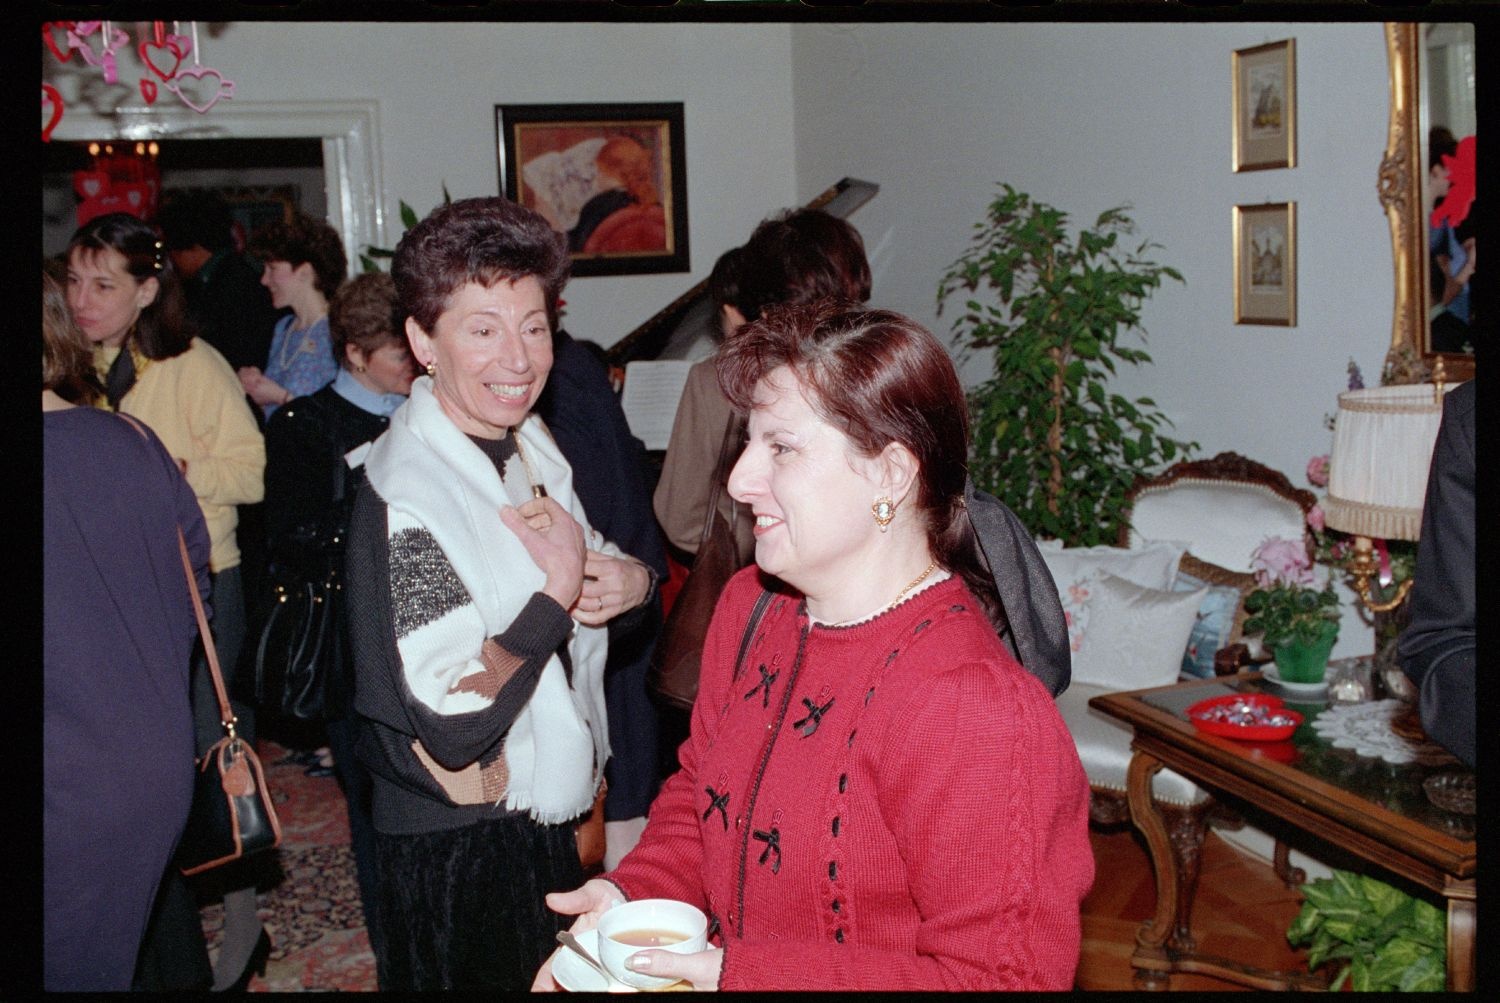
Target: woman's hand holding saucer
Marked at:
588, 902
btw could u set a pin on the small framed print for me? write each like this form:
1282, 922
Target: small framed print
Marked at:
1265, 106
1265, 264
611, 177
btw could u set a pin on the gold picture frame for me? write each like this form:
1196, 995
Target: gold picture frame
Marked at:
1265, 264
1265, 106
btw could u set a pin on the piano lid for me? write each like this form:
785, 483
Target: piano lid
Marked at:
673, 331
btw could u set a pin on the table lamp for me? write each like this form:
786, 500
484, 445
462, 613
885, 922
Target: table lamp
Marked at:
1377, 473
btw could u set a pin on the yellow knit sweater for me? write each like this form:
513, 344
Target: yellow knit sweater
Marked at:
196, 406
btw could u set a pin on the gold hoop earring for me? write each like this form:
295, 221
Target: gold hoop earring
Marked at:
884, 510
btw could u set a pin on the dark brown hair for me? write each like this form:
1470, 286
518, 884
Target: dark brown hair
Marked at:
67, 357
879, 378
163, 329
365, 313
304, 240
799, 257
483, 240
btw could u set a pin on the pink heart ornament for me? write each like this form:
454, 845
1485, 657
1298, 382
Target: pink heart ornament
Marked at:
223, 90
106, 57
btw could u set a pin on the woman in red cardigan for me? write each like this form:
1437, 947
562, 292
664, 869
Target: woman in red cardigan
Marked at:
875, 794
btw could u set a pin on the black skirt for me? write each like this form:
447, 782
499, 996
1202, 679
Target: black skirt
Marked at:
462, 908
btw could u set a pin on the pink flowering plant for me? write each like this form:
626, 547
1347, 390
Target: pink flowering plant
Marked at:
1287, 606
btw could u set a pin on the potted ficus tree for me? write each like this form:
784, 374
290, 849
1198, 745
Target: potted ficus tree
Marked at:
1299, 621
1053, 309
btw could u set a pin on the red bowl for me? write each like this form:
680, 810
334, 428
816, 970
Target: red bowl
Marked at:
1260, 706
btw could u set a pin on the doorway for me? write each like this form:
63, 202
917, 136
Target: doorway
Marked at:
344, 176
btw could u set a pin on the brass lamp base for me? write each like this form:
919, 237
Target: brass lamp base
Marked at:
1365, 568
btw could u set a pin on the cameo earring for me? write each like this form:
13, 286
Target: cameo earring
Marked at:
884, 510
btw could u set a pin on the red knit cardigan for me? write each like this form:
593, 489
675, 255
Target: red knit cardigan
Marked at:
891, 805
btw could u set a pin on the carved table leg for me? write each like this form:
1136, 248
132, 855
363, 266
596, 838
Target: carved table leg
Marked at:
1186, 827
1151, 959
1281, 862
1461, 936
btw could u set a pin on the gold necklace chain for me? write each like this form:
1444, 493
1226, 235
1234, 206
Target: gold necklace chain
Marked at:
899, 596
915, 582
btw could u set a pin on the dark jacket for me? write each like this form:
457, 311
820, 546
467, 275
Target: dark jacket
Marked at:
1437, 648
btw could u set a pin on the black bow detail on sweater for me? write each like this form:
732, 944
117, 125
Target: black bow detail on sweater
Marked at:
809, 724
717, 802
772, 840
766, 679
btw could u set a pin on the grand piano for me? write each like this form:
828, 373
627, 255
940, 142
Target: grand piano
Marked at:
688, 321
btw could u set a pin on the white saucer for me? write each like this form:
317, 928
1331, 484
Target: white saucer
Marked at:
572, 973
1307, 690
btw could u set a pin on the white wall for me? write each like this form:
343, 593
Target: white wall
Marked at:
1090, 116
437, 85
1084, 116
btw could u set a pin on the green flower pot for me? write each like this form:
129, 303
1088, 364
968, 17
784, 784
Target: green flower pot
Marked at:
1304, 663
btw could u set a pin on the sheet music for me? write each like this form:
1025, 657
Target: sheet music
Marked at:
652, 390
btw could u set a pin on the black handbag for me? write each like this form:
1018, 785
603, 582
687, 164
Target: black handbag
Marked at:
300, 646
300, 655
232, 814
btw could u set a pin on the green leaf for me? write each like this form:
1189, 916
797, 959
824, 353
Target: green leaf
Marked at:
409, 215
1428, 974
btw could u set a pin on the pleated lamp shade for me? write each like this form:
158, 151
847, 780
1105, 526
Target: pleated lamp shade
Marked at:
1382, 449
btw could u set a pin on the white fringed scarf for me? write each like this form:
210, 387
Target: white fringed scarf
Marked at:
430, 474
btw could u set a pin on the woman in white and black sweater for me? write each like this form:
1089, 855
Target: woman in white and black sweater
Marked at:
478, 599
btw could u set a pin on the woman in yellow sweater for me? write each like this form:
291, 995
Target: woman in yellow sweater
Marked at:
127, 299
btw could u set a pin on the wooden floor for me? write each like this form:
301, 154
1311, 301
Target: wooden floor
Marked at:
1242, 911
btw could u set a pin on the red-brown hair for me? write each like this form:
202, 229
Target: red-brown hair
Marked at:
879, 378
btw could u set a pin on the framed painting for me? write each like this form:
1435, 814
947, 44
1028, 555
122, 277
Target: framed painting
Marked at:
611, 177
1265, 264
1265, 106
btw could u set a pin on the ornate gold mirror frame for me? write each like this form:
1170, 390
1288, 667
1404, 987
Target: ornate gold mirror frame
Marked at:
1400, 186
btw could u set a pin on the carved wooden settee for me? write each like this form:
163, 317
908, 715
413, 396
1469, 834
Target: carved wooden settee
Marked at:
1219, 510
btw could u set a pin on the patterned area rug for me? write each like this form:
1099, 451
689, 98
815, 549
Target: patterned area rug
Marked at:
311, 908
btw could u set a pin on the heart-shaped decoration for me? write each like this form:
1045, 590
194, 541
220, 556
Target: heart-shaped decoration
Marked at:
106, 56
148, 90
65, 53
220, 90
89, 184
50, 97
175, 46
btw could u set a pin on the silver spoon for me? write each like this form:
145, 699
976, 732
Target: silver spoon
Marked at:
569, 941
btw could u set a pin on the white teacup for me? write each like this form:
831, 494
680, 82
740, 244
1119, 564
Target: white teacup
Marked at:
649, 924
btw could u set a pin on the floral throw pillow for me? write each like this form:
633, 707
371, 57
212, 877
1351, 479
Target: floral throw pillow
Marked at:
1076, 572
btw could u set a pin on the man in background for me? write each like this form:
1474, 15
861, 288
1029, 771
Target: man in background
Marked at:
232, 309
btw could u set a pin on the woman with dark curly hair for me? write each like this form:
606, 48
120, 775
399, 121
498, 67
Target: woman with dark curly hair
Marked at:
478, 601
304, 264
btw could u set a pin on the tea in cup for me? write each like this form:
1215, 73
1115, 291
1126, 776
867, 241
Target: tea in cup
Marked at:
647, 924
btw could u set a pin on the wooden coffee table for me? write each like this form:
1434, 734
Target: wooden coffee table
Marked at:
1368, 807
